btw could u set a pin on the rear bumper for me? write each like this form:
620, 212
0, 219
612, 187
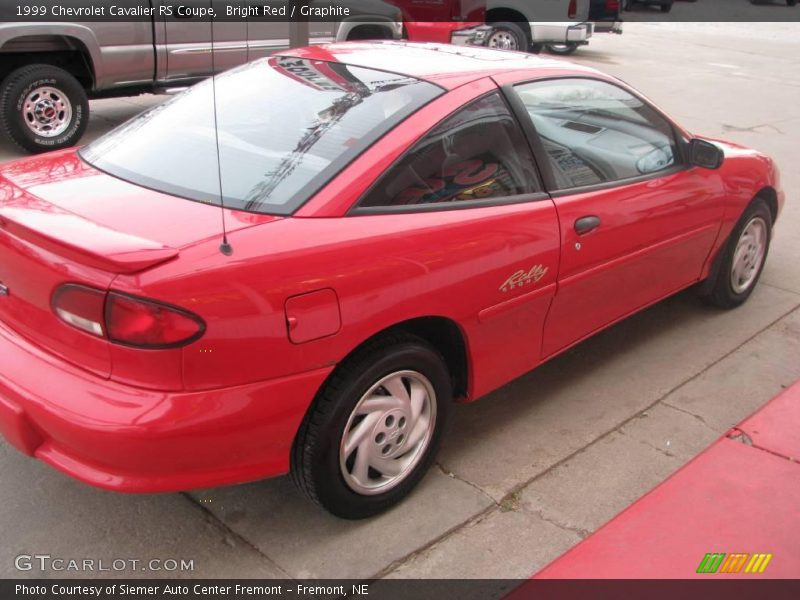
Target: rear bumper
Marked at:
561, 33
608, 27
132, 440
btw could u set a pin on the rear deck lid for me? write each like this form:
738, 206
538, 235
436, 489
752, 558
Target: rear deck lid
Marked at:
61, 221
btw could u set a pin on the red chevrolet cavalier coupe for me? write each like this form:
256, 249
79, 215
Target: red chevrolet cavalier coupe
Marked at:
407, 225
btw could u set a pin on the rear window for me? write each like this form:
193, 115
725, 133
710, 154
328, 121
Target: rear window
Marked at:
286, 126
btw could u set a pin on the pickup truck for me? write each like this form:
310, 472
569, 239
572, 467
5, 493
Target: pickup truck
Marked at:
50, 70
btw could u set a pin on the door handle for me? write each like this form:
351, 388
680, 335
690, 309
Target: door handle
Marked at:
586, 224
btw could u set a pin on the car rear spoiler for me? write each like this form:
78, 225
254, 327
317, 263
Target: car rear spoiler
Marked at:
82, 240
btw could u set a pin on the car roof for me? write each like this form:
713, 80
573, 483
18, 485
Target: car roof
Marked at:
444, 64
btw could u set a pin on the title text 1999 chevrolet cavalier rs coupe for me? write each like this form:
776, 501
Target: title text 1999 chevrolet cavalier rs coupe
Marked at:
410, 224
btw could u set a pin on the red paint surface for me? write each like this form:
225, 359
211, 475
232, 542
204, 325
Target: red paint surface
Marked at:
313, 316
732, 498
441, 31
776, 427
226, 407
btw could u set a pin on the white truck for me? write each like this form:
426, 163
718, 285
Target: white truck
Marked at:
528, 25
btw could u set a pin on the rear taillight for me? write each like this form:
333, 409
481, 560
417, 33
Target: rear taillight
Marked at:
125, 319
573, 9
455, 11
612, 5
146, 324
82, 307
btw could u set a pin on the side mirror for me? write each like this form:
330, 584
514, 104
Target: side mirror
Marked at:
705, 154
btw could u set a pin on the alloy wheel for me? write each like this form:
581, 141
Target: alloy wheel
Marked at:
749, 255
388, 432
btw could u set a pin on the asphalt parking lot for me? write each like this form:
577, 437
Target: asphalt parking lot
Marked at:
539, 464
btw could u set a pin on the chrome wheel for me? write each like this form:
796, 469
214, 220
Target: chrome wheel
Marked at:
388, 432
749, 255
47, 112
503, 40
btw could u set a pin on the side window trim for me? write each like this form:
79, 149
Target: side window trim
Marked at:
540, 154
357, 209
531, 135
444, 206
555, 193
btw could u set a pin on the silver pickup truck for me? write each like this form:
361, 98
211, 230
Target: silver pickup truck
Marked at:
49, 70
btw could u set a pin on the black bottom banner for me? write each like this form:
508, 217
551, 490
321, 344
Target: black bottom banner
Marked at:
401, 589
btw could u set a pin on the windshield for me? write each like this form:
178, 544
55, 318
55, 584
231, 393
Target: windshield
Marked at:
286, 126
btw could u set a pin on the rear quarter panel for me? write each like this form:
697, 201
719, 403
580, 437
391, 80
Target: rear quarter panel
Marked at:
385, 269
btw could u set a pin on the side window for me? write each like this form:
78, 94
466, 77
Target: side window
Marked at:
477, 153
595, 132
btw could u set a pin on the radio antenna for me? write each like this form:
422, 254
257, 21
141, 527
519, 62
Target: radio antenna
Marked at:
224, 247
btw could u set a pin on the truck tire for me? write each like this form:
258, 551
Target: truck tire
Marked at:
507, 36
562, 49
43, 108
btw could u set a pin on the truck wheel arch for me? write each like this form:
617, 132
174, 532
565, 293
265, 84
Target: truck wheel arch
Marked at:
74, 50
501, 14
379, 29
369, 32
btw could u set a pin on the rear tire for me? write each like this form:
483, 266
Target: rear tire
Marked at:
43, 108
562, 49
743, 258
665, 8
362, 413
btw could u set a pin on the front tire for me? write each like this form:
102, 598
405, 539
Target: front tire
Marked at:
375, 427
507, 36
743, 258
43, 108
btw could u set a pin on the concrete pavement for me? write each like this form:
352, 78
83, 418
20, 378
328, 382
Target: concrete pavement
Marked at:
530, 470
